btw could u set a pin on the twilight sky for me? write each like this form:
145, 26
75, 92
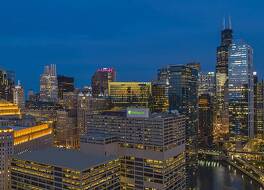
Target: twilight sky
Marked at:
134, 36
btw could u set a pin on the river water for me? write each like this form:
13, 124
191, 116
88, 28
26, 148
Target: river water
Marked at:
212, 175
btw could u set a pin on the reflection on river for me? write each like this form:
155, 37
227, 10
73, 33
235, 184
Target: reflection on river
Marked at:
212, 175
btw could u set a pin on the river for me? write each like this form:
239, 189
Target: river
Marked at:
213, 175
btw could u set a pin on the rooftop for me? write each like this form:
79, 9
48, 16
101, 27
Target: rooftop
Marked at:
15, 128
72, 159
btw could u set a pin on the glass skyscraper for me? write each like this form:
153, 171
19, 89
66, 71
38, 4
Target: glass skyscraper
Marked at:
241, 90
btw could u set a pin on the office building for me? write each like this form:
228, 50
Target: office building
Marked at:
100, 81
206, 83
183, 95
241, 90
65, 84
6, 150
205, 130
7, 82
126, 94
258, 106
49, 84
55, 168
150, 146
18, 95
87, 105
159, 100
221, 127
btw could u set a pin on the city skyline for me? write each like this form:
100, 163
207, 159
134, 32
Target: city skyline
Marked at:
159, 34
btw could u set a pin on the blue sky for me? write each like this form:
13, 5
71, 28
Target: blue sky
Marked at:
134, 36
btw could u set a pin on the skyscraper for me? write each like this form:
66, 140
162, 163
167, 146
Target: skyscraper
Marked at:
258, 106
206, 83
100, 81
241, 89
7, 82
18, 95
221, 74
65, 84
49, 84
183, 95
205, 130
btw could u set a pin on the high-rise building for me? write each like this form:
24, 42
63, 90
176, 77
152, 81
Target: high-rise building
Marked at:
18, 95
183, 95
6, 150
86, 105
49, 84
221, 127
65, 84
100, 81
55, 168
126, 94
150, 146
241, 89
258, 106
206, 83
7, 82
205, 130
159, 101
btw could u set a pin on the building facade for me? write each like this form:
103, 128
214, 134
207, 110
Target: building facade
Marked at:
65, 84
183, 95
18, 96
100, 81
221, 127
205, 130
241, 90
258, 106
150, 147
7, 82
126, 94
64, 169
49, 84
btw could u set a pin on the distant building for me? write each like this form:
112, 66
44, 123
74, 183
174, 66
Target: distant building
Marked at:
55, 168
126, 94
206, 83
7, 82
87, 105
65, 84
18, 95
100, 81
258, 106
205, 130
159, 100
49, 84
241, 90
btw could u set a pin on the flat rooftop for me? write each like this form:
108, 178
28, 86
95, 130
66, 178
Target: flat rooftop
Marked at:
65, 158
15, 128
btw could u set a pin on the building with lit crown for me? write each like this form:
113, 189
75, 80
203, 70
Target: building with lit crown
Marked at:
49, 84
100, 81
18, 95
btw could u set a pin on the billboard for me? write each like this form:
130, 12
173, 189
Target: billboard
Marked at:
137, 112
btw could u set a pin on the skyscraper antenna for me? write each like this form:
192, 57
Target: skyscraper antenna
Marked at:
224, 23
229, 23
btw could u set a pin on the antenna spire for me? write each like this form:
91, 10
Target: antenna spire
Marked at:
229, 23
224, 23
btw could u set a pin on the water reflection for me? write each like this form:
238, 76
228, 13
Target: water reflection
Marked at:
213, 175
